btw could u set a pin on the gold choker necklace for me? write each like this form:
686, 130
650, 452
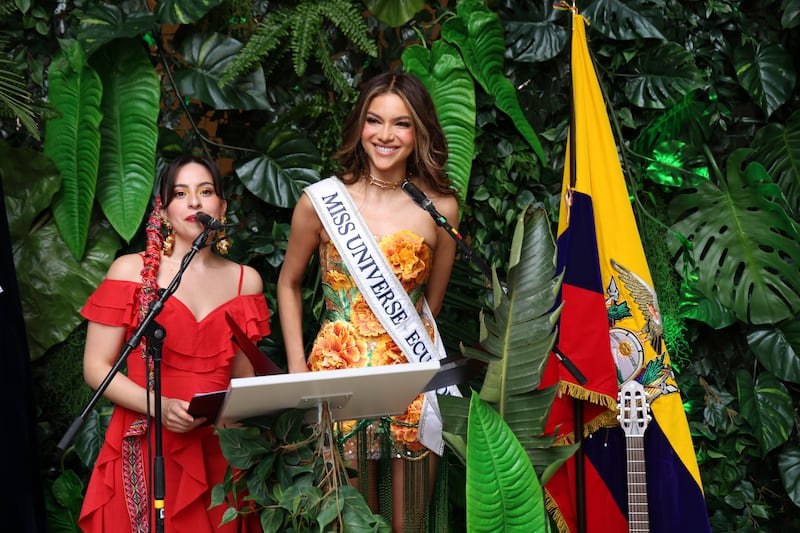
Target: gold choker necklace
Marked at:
383, 184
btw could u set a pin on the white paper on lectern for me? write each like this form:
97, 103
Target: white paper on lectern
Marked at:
350, 393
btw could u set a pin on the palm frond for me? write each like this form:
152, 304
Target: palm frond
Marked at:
15, 99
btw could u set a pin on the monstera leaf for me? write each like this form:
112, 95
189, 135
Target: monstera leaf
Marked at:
778, 349
534, 42
103, 23
767, 73
767, 407
745, 247
778, 149
279, 174
207, 57
394, 13
516, 342
503, 492
663, 77
183, 11
617, 21
130, 106
442, 71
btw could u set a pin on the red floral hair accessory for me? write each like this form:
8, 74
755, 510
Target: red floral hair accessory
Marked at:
152, 259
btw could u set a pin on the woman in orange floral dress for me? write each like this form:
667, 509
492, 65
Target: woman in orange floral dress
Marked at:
391, 135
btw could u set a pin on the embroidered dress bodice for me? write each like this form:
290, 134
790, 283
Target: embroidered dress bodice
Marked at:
351, 336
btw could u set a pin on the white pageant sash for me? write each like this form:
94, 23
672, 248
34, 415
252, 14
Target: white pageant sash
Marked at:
383, 292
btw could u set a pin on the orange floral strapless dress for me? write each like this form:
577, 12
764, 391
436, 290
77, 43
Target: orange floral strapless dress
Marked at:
352, 337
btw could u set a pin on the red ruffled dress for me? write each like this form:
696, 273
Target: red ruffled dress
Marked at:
196, 357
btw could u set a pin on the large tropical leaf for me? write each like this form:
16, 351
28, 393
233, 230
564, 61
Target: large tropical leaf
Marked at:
72, 141
479, 35
516, 342
778, 349
673, 143
130, 106
616, 20
102, 23
766, 72
394, 13
790, 19
183, 11
286, 166
686, 121
503, 492
777, 147
663, 77
767, 407
442, 71
519, 334
26, 199
697, 306
789, 468
207, 56
745, 247
532, 35
54, 286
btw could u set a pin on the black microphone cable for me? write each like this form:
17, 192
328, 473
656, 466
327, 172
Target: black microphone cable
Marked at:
422, 200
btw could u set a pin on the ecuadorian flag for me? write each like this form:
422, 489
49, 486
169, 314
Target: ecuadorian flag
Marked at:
610, 328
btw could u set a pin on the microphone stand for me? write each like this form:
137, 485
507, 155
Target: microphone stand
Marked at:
155, 334
422, 200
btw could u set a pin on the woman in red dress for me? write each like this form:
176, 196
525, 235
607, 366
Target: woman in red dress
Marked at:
198, 356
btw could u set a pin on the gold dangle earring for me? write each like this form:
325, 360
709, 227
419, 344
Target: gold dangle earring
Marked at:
169, 240
222, 242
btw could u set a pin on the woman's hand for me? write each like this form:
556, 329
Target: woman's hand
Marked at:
175, 416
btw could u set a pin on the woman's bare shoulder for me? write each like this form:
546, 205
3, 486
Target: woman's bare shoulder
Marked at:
252, 282
126, 267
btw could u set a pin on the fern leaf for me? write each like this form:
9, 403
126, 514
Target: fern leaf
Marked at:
270, 35
349, 20
306, 27
323, 56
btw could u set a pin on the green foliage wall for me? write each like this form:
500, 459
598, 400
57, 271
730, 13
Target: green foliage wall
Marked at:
703, 97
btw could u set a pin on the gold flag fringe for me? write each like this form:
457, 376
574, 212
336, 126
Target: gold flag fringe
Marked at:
555, 513
606, 419
578, 392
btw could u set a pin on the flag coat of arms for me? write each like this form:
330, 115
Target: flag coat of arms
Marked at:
610, 328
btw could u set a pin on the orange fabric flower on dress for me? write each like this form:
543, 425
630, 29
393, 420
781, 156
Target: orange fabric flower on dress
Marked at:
337, 346
408, 255
337, 280
406, 436
387, 352
364, 319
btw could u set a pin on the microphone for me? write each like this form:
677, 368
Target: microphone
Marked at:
422, 200
208, 221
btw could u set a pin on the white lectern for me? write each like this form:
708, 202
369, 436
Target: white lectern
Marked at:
350, 394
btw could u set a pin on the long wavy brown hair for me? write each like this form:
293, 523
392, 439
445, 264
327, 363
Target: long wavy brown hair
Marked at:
430, 147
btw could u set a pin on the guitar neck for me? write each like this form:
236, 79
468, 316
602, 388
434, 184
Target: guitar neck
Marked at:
638, 520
